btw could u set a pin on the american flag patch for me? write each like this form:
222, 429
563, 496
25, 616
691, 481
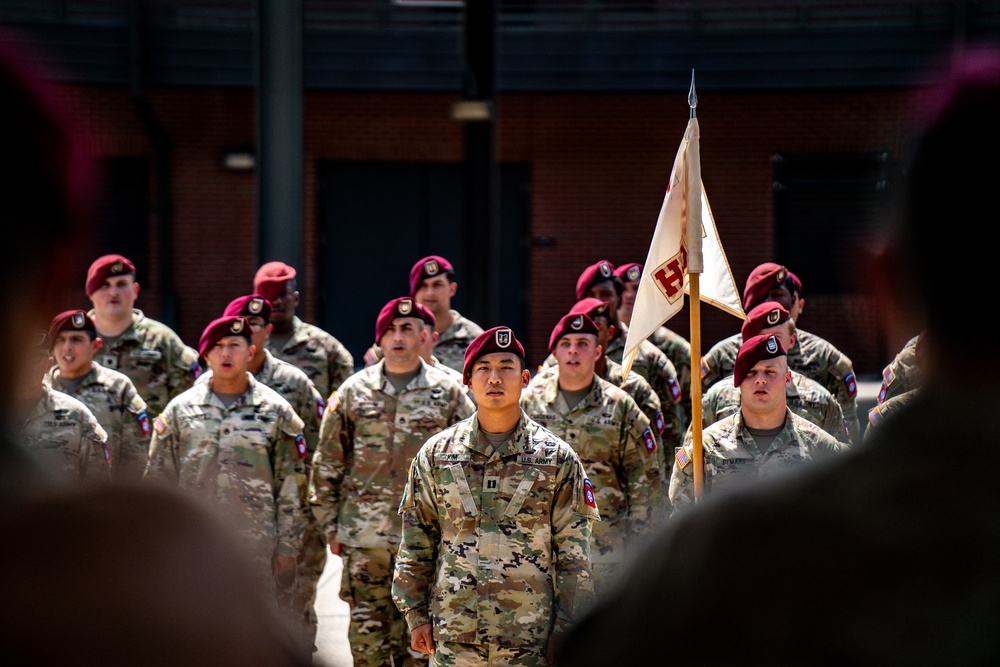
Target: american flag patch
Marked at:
659, 423
588, 493
160, 424
675, 389
649, 440
852, 385
887, 375
144, 423
300, 444
682, 458
704, 367
874, 416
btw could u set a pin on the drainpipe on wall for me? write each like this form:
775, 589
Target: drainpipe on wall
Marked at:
160, 143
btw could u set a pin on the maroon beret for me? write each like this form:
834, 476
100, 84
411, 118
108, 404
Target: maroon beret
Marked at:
219, 329
572, 323
105, 266
251, 305
795, 281
595, 273
763, 315
753, 350
428, 267
403, 306
761, 281
424, 313
497, 339
71, 320
591, 307
270, 279
629, 273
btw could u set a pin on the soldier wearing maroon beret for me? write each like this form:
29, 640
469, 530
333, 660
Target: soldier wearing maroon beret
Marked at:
110, 395
378, 419
675, 346
292, 383
317, 352
432, 284
149, 352
239, 444
479, 496
764, 438
811, 355
612, 436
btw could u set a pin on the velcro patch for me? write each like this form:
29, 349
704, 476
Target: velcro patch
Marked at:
300, 444
675, 389
160, 424
704, 367
320, 408
887, 375
196, 370
333, 402
144, 423
852, 385
882, 392
682, 458
659, 422
588, 493
649, 440
874, 416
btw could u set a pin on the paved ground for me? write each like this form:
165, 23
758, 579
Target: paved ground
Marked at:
331, 638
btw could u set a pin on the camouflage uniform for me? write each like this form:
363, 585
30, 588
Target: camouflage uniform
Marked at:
804, 396
811, 356
323, 358
64, 435
496, 544
616, 444
370, 435
247, 458
883, 410
450, 348
732, 457
294, 386
653, 365
154, 357
678, 351
119, 409
902, 373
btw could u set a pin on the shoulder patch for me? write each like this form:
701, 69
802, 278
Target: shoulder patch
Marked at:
107, 453
681, 457
852, 385
874, 416
882, 392
675, 389
320, 408
144, 422
588, 493
160, 424
333, 402
659, 422
705, 368
888, 375
196, 370
300, 445
648, 440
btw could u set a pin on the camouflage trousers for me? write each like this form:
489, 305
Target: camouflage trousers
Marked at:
377, 632
452, 654
310, 564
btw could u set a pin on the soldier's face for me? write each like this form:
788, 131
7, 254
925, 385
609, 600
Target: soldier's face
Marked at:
577, 354
401, 343
284, 304
606, 292
230, 357
436, 294
116, 296
784, 332
497, 379
73, 351
762, 390
628, 295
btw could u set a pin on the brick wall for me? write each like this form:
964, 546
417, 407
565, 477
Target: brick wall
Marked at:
599, 168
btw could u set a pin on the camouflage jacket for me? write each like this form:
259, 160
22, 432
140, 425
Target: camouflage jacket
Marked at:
811, 356
369, 436
884, 409
154, 357
678, 351
65, 437
323, 358
902, 373
119, 409
732, 457
804, 396
247, 457
450, 348
496, 544
293, 385
616, 444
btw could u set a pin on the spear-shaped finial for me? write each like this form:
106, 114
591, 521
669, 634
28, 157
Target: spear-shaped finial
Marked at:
692, 96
